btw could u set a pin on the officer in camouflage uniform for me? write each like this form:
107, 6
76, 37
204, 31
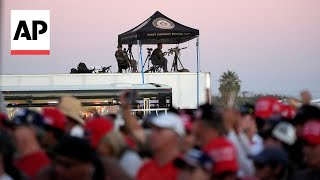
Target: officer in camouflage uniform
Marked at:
124, 61
157, 58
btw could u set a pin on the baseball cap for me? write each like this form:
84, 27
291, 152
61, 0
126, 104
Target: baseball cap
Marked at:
194, 158
311, 131
285, 132
267, 107
223, 154
54, 118
247, 109
4, 120
287, 111
169, 121
271, 155
96, 128
3, 116
27, 117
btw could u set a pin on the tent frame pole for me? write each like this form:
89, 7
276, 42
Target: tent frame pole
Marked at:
142, 66
198, 70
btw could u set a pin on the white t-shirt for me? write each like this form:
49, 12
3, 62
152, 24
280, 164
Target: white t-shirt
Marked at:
5, 177
256, 145
246, 167
130, 162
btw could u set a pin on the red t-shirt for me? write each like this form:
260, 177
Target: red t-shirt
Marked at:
32, 164
151, 170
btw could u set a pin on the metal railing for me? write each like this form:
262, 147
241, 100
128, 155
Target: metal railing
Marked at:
148, 111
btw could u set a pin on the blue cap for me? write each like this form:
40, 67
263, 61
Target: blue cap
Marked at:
247, 109
194, 158
271, 155
27, 117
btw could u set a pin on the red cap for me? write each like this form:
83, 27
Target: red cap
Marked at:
311, 132
96, 128
53, 117
287, 111
266, 107
3, 117
223, 154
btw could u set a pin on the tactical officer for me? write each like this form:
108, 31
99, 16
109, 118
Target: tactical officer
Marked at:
157, 58
124, 61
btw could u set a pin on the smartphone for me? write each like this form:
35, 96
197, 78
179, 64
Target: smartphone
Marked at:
132, 96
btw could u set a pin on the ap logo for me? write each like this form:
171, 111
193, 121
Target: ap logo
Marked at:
30, 32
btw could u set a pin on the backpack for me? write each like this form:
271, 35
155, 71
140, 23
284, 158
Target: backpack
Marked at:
82, 68
73, 71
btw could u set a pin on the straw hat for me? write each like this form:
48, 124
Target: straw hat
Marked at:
71, 107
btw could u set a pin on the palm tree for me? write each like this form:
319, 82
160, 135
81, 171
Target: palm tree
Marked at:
229, 83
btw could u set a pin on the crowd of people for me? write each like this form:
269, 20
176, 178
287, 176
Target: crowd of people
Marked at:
268, 140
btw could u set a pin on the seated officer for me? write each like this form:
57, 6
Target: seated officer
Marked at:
157, 58
123, 61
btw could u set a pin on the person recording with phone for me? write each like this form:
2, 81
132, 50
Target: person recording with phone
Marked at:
157, 58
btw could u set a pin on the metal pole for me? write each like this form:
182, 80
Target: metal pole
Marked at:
142, 66
3, 104
198, 69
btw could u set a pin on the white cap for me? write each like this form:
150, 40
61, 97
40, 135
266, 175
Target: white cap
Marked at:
170, 121
285, 132
77, 131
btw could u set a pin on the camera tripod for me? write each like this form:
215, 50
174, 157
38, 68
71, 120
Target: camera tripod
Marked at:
129, 55
148, 59
129, 52
176, 60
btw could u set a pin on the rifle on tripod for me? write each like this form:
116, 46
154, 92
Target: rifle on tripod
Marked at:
176, 58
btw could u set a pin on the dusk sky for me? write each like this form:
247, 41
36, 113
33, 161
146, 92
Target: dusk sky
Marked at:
273, 45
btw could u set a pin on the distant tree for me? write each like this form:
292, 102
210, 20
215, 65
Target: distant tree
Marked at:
217, 101
229, 83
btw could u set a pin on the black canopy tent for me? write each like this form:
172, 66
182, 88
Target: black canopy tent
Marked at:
160, 29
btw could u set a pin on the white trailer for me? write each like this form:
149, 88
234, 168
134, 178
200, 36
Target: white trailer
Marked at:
184, 85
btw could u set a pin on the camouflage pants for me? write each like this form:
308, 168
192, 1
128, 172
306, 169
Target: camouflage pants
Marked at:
163, 63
